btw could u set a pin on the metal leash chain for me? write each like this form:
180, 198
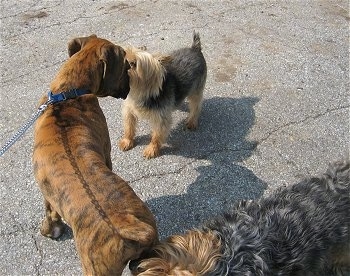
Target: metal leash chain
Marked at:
52, 99
25, 127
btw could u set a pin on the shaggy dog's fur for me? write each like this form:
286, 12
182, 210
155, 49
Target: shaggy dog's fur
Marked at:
300, 230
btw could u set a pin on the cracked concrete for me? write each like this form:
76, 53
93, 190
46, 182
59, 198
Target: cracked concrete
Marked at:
276, 107
288, 124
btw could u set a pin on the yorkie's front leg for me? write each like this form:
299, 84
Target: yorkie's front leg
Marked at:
129, 121
153, 148
160, 131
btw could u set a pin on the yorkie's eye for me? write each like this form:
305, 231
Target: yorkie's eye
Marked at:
132, 64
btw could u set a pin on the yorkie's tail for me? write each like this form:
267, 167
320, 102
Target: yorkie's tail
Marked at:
196, 42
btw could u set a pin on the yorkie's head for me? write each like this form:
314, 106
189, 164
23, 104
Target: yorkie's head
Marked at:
194, 254
146, 71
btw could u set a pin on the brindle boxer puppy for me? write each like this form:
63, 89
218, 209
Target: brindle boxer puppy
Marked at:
73, 167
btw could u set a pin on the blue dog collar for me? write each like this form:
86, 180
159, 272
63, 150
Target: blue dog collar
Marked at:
70, 94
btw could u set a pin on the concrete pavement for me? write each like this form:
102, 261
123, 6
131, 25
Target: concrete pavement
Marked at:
276, 107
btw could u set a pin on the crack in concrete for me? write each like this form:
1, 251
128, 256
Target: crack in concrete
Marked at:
30, 9
195, 159
18, 231
176, 171
32, 29
329, 110
291, 162
11, 80
41, 255
79, 17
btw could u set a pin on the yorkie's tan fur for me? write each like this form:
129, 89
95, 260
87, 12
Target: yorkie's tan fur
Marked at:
184, 255
158, 84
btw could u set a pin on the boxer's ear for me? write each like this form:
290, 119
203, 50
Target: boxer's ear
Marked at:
76, 44
115, 79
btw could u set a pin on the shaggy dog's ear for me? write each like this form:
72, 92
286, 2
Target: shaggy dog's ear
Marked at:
76, 44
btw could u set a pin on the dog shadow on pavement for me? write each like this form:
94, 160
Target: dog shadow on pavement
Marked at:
221, 142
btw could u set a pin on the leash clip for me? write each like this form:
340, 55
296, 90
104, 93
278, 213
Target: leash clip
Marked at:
63, 96
54, 98
43, 107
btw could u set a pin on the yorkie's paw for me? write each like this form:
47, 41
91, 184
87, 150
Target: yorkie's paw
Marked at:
191, 124
126, 144
151, 151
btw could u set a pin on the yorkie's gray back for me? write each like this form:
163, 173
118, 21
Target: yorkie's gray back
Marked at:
187, 70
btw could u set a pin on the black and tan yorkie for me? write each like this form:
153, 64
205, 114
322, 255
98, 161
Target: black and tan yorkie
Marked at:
302, 230
158, 84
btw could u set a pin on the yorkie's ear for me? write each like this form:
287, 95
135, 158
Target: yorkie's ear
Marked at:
76, 44
131, 56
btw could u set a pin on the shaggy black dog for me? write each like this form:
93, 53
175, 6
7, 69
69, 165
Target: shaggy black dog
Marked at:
299, 230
